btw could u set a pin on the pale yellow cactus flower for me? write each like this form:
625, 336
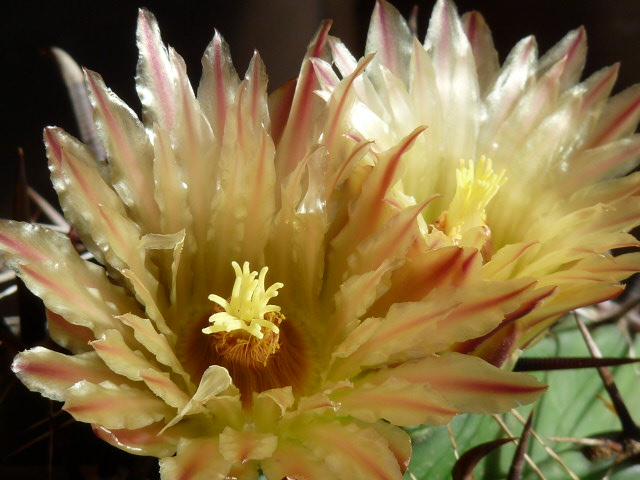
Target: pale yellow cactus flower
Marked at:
260, 300
528, 162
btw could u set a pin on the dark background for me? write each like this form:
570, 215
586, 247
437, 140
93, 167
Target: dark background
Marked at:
100, 35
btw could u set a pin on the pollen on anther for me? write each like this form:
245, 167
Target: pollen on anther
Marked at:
247, 308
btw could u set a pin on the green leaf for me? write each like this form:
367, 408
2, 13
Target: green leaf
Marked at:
574, 406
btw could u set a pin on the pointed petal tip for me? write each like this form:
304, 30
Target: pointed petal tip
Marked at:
52, 142
145, 15
69, 68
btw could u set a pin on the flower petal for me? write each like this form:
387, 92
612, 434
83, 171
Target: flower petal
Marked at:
114, 407
389, 38
305, 108
352, 452
469, 383
291, 460
418, 328
114, 351
140, 441
52, 374
156, 343
572, 52
72, 337
215, 379
94, 208
81, 291
442, 267
129, 152
239, 447
619, 118
456, 78
484, 52
395, 400
218, 84
155, 79
197, 459
161, 384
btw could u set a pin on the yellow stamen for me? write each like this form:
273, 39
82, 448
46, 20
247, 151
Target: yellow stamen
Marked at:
475, 187
248, 305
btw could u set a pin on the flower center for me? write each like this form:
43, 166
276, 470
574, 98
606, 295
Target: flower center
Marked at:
465, 220
250, 338
248, 310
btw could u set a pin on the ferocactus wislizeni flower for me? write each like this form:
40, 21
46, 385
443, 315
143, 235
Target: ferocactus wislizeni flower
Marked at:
528, 163
265, 301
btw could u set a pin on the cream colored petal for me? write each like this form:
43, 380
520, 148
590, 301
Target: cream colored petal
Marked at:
607, 191
515, 75
447, 266
398, 440
280, 101
166, 250
598, 88
195, 151
456, 79
171, 190
218, 84
396, 400
367, 213
400, 232
298, 232
156, 343
503, 143
446, 317
71, 287
114, 406
120, 357
215, 379
129, 152
355, 297
326, 76
239, 447
572, 293
504, 261
193, 143
390, 39
142, 441
52, 374
341, 101
94, 208
161, 384
82, 110
301, 129
155, 77
345, 62
352, 452
153, 301
246, 178
283, 398
619, 118
428, 106
259, 151
64, 296
615, 268
74, 338
572, 51
197, 459
363, 86
294, 461
470, 384
484, 52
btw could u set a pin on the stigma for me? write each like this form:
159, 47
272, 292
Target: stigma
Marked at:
476, 185
248, 310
